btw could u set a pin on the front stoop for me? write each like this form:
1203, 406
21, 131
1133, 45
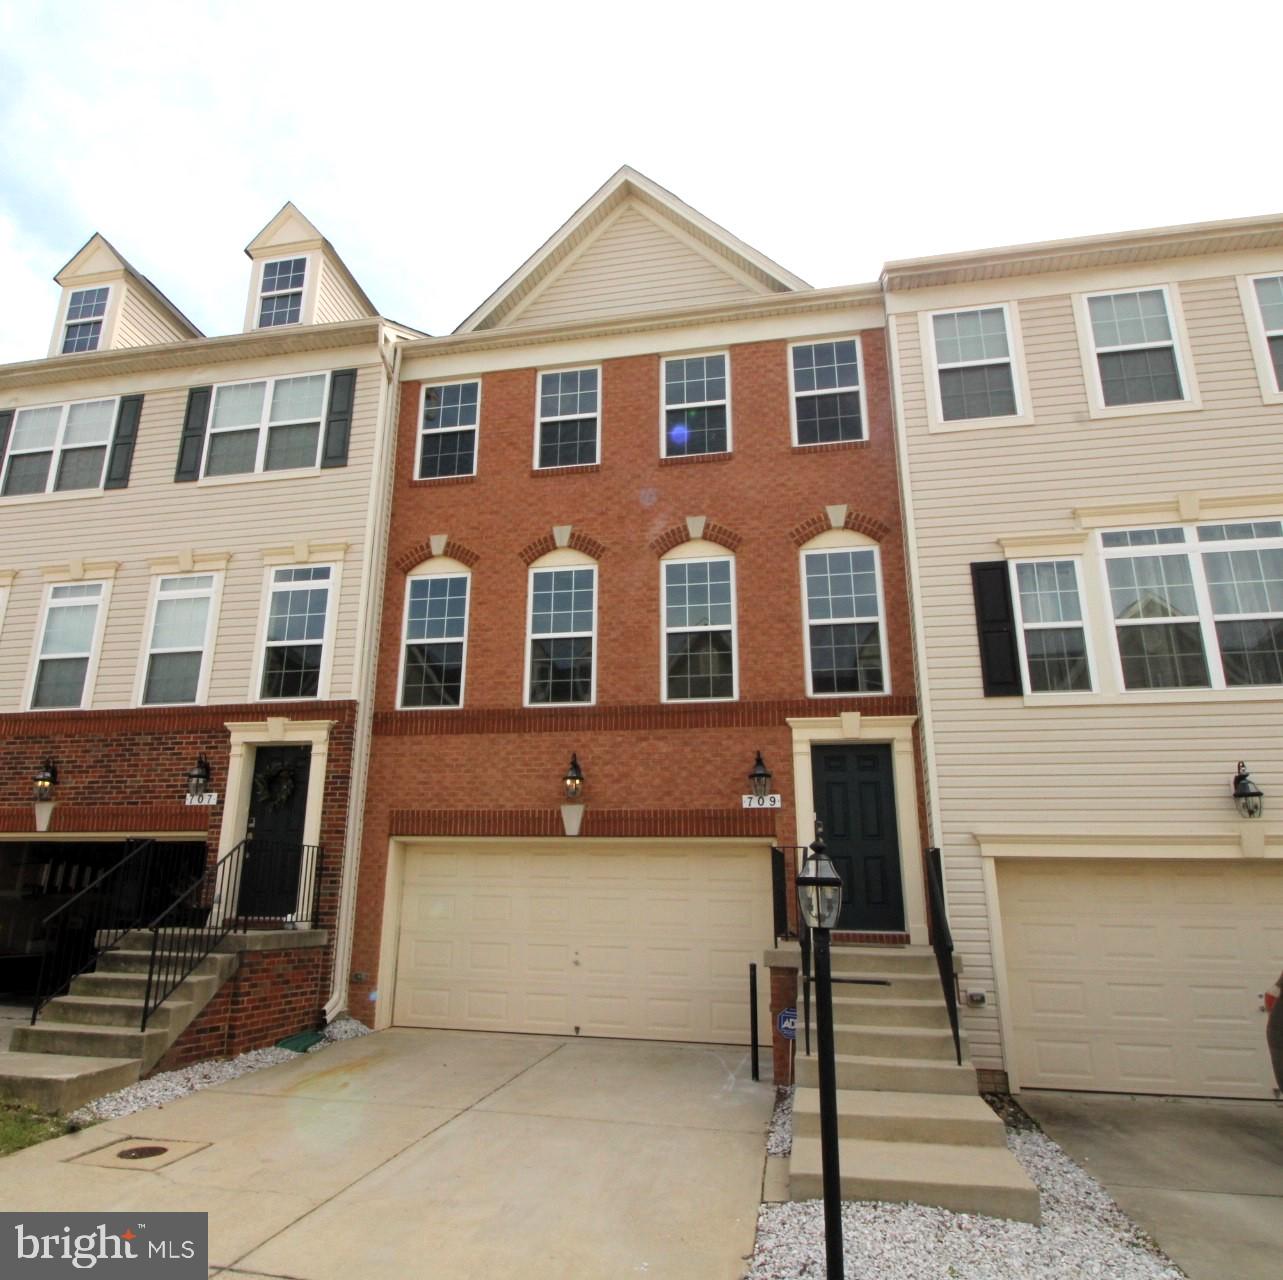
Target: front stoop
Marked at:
911, 1124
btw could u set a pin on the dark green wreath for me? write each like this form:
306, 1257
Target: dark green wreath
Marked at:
274, 785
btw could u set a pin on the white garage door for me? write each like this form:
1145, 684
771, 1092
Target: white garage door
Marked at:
649, 940
1142, 977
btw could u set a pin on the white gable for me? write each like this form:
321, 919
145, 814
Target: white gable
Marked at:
287, 229
95, 259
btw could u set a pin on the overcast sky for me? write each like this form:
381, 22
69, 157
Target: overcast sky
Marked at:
437, 146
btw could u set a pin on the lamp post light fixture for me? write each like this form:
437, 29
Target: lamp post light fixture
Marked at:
573, 781
198, 777
44, 782
819, 900
759, 778
1247, 795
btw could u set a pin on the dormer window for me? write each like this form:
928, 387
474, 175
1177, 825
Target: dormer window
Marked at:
83, 326
281, 295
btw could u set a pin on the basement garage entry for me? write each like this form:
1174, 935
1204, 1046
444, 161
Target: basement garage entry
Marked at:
640, 939
1141, 976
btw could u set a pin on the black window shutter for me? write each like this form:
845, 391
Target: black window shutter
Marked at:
338, 418
996, 623
6, 421
192, 446
121, 457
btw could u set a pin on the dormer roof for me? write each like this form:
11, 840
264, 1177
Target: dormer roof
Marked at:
631, 247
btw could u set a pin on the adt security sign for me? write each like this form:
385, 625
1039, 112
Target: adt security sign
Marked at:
786, 1020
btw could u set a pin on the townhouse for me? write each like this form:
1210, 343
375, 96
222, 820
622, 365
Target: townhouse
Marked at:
1090, 445
645, 526
189, 551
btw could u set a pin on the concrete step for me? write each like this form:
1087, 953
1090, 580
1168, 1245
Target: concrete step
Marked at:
861, 1011
964, 1179
853, 961
91, 1042
133, 986
55, 1082
951, 1119
929, 1043
106, 1011
881, 985
121, 961
894, 1075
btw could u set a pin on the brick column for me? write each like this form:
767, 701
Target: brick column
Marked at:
783, 996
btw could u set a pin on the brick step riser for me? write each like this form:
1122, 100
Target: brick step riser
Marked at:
997, 1202
944, 1077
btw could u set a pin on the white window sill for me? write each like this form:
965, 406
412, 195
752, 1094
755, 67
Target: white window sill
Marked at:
938, 427
256, 477
58, 495
1104, 412
686, 702
1142, 697
881, 693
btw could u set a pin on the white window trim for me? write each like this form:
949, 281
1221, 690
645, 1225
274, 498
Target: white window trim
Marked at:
1096, 406
264, 425
795, 394
420, 432
700, 552
105, 334
565, 417
438, 567
6, 581
327, 643
215, 594
1084, 624
95, 652
701, 404
1256, 332
305, 293
936, 422
49, 491
560, 559
844, 540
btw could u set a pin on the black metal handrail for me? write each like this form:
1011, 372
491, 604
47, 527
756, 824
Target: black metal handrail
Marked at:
92, 921
258, 882
942, 944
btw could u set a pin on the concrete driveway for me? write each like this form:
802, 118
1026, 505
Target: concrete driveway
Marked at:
1204, 1177
442, 1153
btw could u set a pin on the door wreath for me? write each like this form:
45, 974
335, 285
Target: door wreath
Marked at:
274, 785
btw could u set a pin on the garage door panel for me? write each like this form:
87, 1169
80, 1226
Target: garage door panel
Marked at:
647, 941
1150, 989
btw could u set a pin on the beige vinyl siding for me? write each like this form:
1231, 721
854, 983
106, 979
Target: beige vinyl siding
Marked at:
141, 324
1103, 768
155, 516
633, 264
335, 300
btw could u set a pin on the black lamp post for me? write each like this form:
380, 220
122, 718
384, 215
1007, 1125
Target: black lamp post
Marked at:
1247, 795
819, 899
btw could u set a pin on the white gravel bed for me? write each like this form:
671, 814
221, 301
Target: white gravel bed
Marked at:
779, 1137
169, 1086
1084, 1235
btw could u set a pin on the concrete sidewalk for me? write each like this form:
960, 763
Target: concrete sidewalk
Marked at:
451, 1153
1204, 1177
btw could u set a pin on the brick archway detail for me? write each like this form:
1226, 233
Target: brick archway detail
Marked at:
423, 551
578, 542
854, 521
680, 533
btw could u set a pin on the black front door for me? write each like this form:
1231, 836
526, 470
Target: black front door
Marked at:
274, 852
855, 799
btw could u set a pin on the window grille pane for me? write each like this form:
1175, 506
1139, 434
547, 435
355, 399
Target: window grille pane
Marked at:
35, 428
231, 453
1163, 656
239, 406
1248, 581
1139, 377
846, 658
69, 629
700, 665
447, 453
292, 671
180, 624
294, 399
694, 380
826, 419
281, 308
172, 677
1048, 592
563, 601
561, 670
1276, 356
841, 584
825, 366
1129, 319
1151, 587
82, 337
568, 393
437, 609
1057, 659
985, 391
698, 593
60, 682
433, 675
568, 443
90, 423
695, 431
80, 469
27, 473
87, 304
964, 336
452, 405
286, 274
1252, 652
292, 446
297, 615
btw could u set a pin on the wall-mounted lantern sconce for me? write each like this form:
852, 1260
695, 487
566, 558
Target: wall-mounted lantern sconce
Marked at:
44, 782
198, 777
573, 781
759, 778
1247, 795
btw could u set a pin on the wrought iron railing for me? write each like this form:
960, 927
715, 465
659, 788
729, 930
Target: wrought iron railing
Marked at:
256, 883
942, 944
780, 892
94, 920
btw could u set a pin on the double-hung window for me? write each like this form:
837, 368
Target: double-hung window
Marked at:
83, 323
448, 438
69, 640
699, 629
1052, 635
1267, 296
281, 293
974, 364
59, 447
270, 425
1134, 342
563, 623
1200, 607
827, 397
696, 406
843, 621
298, 616
568, 416
179, 640
436, 636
